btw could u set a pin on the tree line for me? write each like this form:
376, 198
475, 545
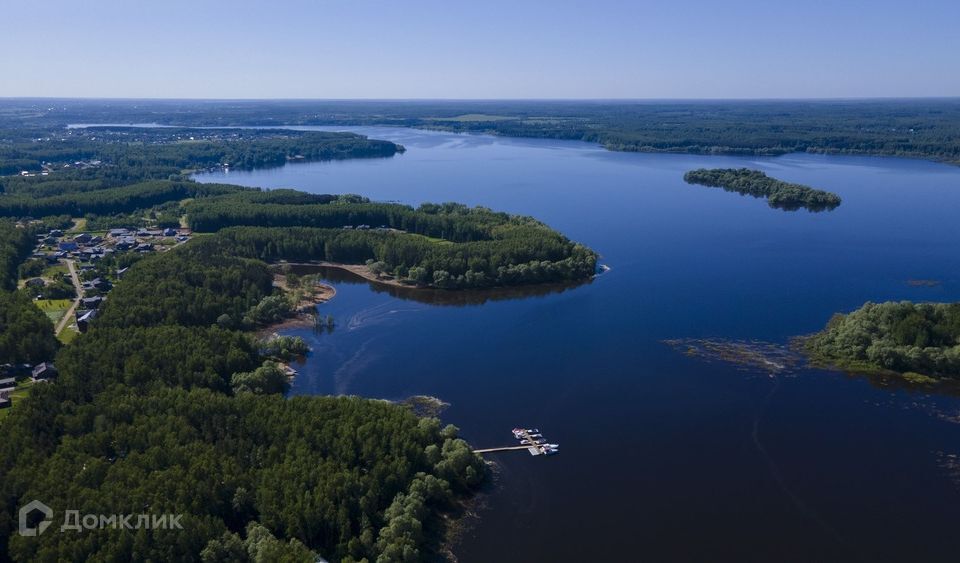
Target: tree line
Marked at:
107, 200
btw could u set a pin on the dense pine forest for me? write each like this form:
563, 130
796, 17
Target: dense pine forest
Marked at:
167, 403
158, 406
26, 334
779, 194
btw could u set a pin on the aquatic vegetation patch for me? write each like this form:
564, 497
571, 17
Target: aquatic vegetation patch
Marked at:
924, 283
425, 405
753, 355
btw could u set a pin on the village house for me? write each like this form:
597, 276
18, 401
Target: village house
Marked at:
125, 243
83, 320
43, 372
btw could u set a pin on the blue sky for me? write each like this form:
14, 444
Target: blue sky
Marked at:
482, 49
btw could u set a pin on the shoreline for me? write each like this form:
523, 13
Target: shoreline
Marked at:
304, 310
361, 270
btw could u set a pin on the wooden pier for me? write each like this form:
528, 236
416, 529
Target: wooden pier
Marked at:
507, 449
533, 445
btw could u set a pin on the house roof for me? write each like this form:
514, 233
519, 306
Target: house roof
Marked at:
44, 369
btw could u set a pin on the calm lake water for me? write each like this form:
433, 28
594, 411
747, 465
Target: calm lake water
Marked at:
666, 457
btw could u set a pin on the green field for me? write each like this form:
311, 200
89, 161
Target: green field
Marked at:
54, 308
435, 240
68, 334
23, 388
51, 271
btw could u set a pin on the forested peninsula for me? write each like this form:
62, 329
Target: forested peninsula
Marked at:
167, 402
449, 246
919, 340
779, 194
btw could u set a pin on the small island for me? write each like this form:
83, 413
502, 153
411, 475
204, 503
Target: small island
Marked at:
779, 194
920, 341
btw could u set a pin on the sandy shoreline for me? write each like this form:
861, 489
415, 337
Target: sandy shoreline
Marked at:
360, 270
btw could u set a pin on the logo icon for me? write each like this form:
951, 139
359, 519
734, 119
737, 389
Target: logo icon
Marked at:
35, 530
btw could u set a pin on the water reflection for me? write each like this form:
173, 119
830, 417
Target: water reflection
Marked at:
443, 297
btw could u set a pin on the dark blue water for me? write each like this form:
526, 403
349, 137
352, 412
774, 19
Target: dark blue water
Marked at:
666, 457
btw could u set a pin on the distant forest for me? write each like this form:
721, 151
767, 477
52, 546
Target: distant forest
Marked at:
922, 128
125, 154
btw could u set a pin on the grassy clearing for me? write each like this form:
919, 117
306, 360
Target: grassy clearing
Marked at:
54, 308
68, 334
23, 389
51, 271
434, 240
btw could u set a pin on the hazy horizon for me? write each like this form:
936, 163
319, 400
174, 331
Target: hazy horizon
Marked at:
604, 50
454, 100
